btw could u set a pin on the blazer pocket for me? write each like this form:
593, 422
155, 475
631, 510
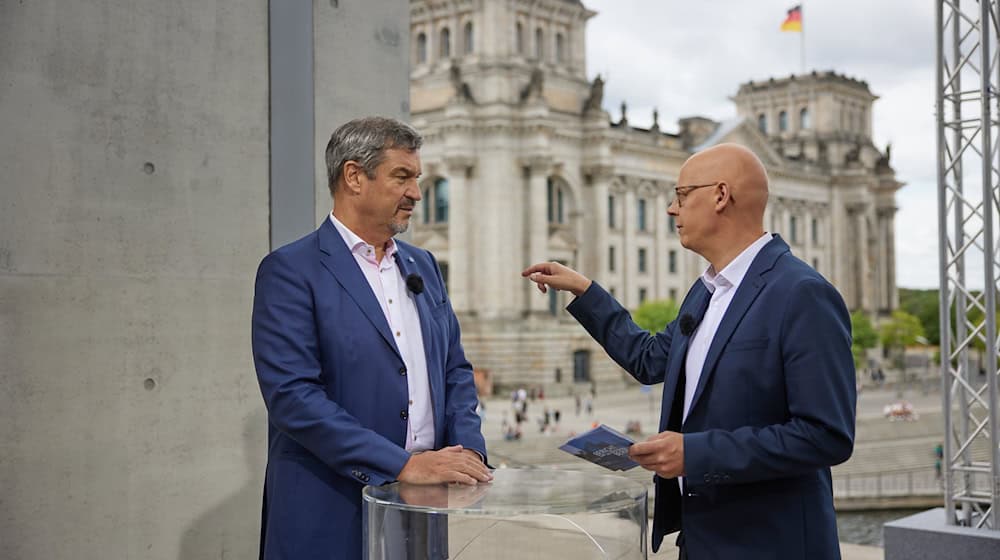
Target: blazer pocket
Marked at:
747, 344
440, 311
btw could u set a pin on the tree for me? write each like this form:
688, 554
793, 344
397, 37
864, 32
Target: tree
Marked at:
655, 315
899, 332
925, 305
863, 336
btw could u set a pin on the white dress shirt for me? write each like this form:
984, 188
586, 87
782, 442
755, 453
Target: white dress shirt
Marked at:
723, 286
396, 301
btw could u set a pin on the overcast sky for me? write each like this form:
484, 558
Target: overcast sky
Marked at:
686, 58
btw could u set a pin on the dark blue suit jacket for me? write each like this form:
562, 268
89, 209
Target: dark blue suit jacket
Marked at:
335, 387
773, 410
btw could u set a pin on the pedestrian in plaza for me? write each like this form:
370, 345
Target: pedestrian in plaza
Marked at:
358, 357
757, 372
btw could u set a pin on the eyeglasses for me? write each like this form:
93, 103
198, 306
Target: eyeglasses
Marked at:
684, 191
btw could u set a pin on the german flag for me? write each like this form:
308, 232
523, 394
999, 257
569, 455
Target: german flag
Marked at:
794, 20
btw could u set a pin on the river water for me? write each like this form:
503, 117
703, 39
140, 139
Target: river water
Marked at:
865, 527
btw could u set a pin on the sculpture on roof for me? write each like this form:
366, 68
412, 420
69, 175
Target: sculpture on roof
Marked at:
462, 90
596, 97
535, 84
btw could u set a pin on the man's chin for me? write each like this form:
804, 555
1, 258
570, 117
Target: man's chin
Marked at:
399, 227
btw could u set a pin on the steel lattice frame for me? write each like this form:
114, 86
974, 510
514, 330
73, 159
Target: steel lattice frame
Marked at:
968, 74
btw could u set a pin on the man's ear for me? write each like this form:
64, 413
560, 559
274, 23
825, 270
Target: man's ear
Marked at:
723, 195
351, 174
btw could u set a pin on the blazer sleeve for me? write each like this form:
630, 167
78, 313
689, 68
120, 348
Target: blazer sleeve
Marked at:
641, 354
287, 359
462, 425
818, 367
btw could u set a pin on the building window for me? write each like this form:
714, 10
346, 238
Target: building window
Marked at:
421, 48
672, 262
436, 210
815, 231
519, 38
642, 214
611, 212
804, 121
816, 264
793, 229
445, 51
671, 226
673, 295
560, 53
556, 202
539, 43
762, 122
553, 302
611, 258
783, 121
642, 296
581, 366
642, 260
469, 47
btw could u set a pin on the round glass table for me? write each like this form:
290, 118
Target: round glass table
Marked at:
524, 514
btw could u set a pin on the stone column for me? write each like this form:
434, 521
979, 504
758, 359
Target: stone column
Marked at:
537, 223
460, 170
658, 260
630, 295
595, 265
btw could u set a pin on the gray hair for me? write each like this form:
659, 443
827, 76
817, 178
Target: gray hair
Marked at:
365, 141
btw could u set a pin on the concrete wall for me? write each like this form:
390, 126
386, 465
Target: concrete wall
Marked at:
134, 204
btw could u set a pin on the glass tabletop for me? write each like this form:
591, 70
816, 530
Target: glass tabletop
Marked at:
514, 492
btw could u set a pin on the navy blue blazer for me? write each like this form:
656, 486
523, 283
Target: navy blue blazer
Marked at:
335, 388
773, 410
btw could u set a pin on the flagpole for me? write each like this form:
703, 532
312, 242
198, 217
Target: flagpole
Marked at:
802, 38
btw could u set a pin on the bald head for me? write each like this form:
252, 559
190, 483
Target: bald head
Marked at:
741, 169
719, 222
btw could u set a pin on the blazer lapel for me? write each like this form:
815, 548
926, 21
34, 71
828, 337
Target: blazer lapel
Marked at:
678, 351
336, 257
745, 295
406, 264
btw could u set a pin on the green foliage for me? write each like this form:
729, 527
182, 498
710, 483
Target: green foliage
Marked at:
901, 331
655, 315
924, 305
863, 336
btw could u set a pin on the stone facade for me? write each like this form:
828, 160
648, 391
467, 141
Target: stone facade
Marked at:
522, 164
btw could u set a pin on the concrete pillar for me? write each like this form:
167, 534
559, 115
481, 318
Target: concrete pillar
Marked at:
135, 211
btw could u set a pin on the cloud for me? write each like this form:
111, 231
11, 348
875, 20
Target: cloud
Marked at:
687, 58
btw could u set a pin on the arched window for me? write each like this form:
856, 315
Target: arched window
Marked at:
421, 48
560, 52
468, 38
762, 122
804, 121
519, 38
436, 202
783, 121
539, 43
445, 51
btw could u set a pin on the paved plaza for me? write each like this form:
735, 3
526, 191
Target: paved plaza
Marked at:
539, 449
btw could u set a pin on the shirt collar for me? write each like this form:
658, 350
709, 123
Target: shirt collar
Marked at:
359, 246
736, 270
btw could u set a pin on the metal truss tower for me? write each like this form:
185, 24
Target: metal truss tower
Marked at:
968, 90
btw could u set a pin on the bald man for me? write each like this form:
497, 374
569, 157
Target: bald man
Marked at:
758, 378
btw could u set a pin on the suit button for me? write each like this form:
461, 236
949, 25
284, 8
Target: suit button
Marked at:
403, 414
402, 370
